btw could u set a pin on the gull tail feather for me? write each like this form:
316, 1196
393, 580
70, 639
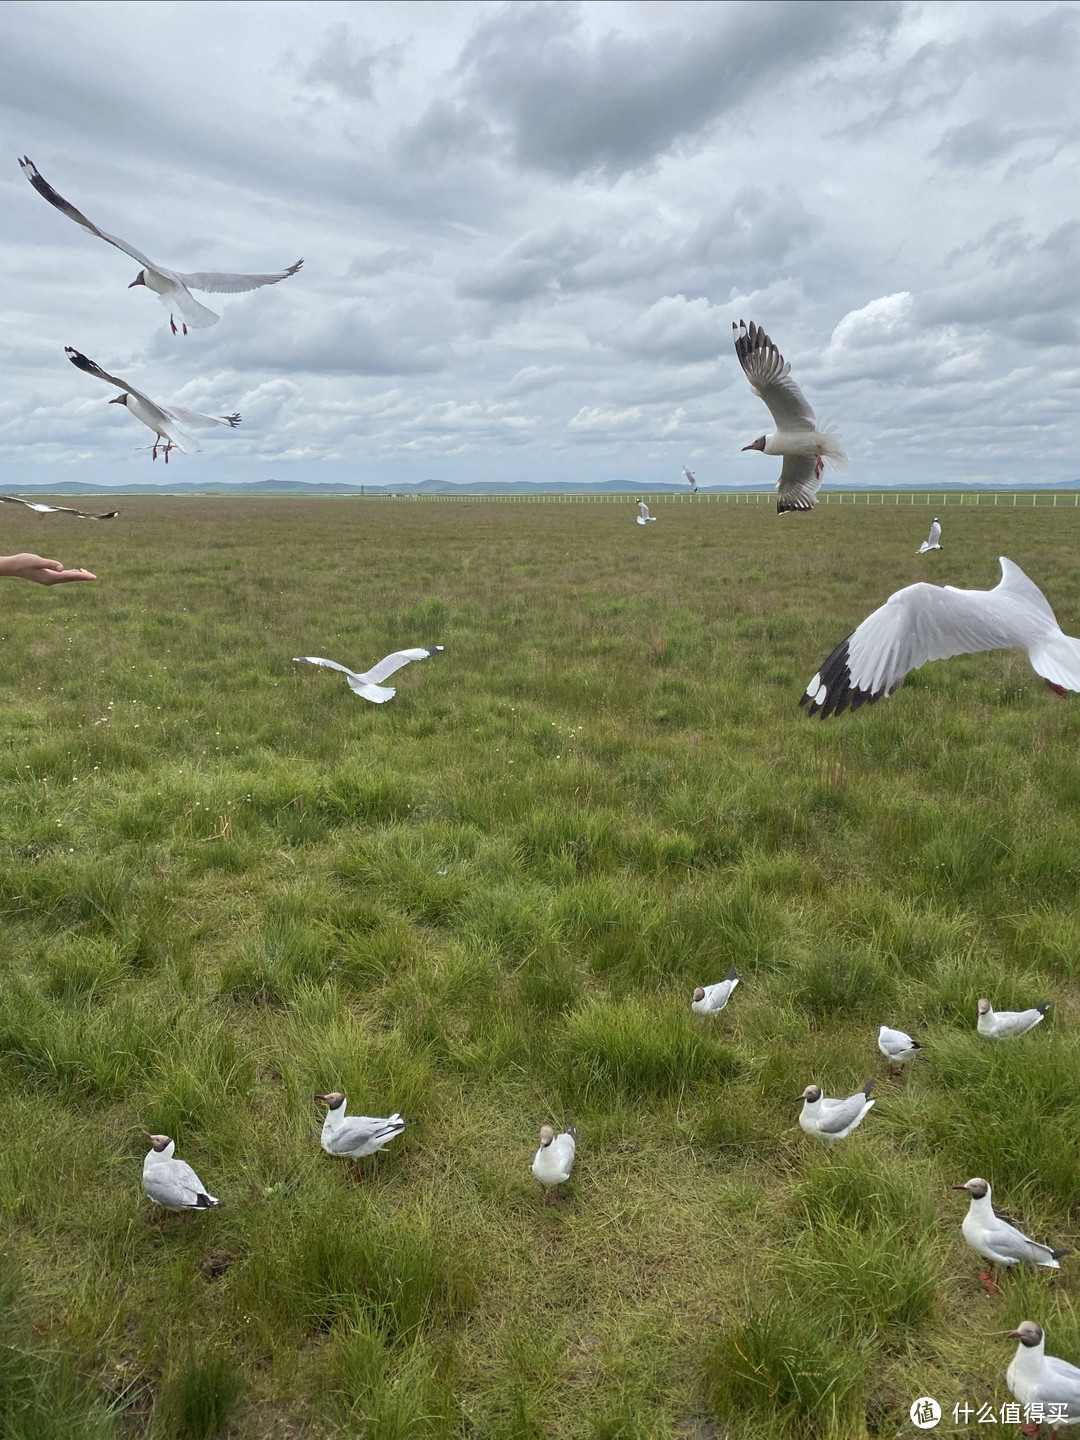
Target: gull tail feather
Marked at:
377, 694
1057, 660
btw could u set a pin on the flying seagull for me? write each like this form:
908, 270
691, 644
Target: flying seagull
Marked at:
708, 999
805, 448
898, 1048
164, 420
934, 542
692, 478
933, 622
1038, 1379
645, 518
170, 1183
354, 1135
554, 1160
996, 1240
56, 509
171, 287
831, 1120
1006, 1024
367, 683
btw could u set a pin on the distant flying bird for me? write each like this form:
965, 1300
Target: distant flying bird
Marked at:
164, 420
355, 1136
171, 287
170, 1183
366, 683
56, 509
996, 1240
934, 542
645, 518
554, 1160
831, 1120
933, 622
898, 1048
692, 479
1007, 1024
805, 448
708, 999
1038, 1379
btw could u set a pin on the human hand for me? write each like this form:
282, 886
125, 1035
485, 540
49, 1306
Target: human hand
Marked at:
43, 572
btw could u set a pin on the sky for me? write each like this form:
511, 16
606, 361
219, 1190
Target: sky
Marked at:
528, 228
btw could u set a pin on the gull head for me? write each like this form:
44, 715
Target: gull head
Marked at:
759, 443
984, 1007
140, 279
119, 399
699, 993
812, 1094
159, 1142
333, 1101
976, 1187
547, 1135
1028, 1333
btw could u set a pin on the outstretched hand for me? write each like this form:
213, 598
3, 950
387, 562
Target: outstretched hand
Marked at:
43, 572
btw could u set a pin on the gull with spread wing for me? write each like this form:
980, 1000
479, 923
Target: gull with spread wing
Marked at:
644, 518
691, 479
806, 448
367, 683
933, 622
164, 420
172, 287
43, 509
934, 540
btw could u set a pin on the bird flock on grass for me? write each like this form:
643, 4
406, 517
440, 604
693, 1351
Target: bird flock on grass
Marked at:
917, 624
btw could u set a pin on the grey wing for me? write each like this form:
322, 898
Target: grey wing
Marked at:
358, 1130
1012, 1244
800, 480
196, 418
840, 1113
770, 376
81, 362
329, 664
393, 662
895, 1041
224, 284
1064, 1383
46, 191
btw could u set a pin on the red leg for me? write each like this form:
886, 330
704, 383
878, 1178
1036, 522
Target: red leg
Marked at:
172, 322
552, 1196
1057, 689
185, 329
153, 455
988, 1282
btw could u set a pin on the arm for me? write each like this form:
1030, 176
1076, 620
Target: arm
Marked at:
44, 572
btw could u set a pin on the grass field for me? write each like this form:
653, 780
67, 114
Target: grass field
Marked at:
227, 883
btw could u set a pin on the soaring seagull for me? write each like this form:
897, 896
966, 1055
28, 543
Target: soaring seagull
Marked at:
164, 420
43, 509
805, 448
171, 287
367, 684
933, 622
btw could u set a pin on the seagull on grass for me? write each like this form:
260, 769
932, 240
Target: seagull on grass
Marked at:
171, 1183
554, 1160
644, 518
1006, 1024
692, 478
171, 287
898, 1048
934, 542
165, 420
708, 999
43, 509
806, 448
354, 1136
933, 622
831, 1120
1038, 1379
996, 1240
367, 684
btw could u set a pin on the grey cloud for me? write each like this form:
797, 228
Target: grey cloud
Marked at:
538, 263
532, 378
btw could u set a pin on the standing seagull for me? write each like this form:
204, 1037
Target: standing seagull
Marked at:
355, 1135
367, 683
708, 999
1038, 1379
554, 1160
56, 509
933, 622
171, 287
692, 478
998, 1241
934, 542
164, 420
805, 448
170, 1183
644, 518
1006, 1024
898, 1048
831, 1120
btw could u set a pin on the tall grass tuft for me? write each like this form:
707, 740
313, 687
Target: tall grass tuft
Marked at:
201, 1396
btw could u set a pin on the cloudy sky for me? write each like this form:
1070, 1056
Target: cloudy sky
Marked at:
527, 229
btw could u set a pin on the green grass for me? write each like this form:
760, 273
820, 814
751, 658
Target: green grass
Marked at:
227, 884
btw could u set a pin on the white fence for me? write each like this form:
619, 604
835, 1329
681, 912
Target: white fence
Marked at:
938, 500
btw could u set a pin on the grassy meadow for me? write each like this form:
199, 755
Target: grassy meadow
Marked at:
227, 883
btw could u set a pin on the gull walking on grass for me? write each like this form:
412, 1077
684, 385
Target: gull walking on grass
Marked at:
42, 509
354, 1136
933, 622
806, 448
366, 684
898, 1048
554, 1160
708, 999
1007, 1024
996, 1240
830, 1120
172, 1183
171, 287
934, 542
1038, 1379
644, 518
164, 420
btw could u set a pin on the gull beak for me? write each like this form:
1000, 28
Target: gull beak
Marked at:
1013, 1335
133, 284
957, 1187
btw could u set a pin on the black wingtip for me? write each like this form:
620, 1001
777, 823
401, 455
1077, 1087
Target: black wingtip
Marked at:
867, 1088
232, 420
731, 974
834, 678
1042, 1009
78, 358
